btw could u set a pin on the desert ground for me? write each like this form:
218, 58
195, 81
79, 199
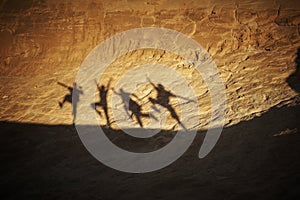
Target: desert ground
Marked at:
255, 46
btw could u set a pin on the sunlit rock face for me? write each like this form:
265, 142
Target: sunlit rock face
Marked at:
253, 43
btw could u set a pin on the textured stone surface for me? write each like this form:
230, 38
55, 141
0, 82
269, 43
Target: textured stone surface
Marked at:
253, 44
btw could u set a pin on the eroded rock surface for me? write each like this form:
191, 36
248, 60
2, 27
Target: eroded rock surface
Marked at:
253, 44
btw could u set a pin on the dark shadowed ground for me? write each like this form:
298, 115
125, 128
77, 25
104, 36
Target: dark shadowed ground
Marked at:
257, 159
253, 43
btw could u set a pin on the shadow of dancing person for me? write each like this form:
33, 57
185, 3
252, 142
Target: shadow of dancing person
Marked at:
72, 97
163, 99
132, 106
103, 101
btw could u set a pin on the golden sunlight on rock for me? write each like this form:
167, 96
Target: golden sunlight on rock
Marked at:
254, 46
251, 48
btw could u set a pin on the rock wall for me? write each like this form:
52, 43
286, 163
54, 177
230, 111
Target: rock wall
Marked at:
253, 43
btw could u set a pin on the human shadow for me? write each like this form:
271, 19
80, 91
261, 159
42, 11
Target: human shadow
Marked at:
72, 97
133, 106
103, 91
248, 162
294, 79
163, 99
255, 159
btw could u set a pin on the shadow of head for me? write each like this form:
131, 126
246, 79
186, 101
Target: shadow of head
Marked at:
294, 79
